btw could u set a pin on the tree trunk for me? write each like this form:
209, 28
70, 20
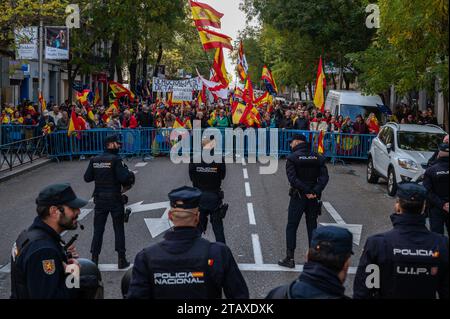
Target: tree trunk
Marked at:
333, 78
144, 63
113, 57
158, 60
133, 66
310, 91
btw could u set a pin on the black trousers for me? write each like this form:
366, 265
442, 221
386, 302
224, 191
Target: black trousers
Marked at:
209, 203
100, 218
438, 219
297, 207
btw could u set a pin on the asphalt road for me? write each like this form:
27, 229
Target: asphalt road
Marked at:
254, 226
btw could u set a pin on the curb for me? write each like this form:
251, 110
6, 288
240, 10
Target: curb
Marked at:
7, 175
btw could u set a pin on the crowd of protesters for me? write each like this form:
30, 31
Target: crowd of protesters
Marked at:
298, 116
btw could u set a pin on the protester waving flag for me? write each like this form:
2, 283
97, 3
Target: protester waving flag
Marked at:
73, 125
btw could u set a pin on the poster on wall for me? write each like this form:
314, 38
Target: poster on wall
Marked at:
26, 40
57, 43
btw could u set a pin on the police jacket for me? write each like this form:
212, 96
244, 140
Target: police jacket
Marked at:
37, 270
110, 174
306, 171
207, 177
436, 182
315, 282
186, 266
412, 262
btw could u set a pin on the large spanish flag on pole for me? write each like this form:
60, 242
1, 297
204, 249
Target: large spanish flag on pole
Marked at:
212, 40
205, 16
321, 83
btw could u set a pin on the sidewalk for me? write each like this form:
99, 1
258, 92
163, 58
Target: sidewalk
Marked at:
8, 174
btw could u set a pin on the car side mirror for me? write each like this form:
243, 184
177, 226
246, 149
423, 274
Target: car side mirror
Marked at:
389, 147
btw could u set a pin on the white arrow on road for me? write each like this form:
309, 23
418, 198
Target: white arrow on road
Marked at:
156, 226
355, 229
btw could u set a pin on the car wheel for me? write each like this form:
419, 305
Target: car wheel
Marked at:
392, 182
372, 176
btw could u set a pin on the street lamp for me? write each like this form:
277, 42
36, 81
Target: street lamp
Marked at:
41, 49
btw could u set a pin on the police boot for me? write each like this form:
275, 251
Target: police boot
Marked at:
95, 259
123, 262
288, 261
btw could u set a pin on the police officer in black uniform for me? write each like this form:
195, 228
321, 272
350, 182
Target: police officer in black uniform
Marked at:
208, 178
411, 262
325, 271
308, 175
184, 265
112, 178
39, 260
436, 182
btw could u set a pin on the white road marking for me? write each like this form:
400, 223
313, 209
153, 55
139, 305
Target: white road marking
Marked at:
257, 249
355, 229
135, 172
84, 212
157, 226
248, 193
6, 269
141, 164
139, 207
91, 200
333, 213
251, 214
245, 173
243, 161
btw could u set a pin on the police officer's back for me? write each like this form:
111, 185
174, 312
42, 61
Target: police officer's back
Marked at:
184, 265
436, 180
308, 176
208, 178
412, 261
112, 178
39, 260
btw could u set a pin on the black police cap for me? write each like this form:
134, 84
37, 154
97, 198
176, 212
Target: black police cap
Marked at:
297, 137
411, 191
59, 194
188, 196
112, 139
443, 147
333, 239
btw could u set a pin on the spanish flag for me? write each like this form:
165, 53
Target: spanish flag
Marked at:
320, 147
90, 114
73, 124
180, 124
97, 97
212, 40
119, 90
42, 102
205, 16
321, 83
266, 98
239, 113
269, 81
242, 63
221, 74
83, 97
248, 95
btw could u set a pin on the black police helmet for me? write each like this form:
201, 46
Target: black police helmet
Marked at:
91, 285
125, 283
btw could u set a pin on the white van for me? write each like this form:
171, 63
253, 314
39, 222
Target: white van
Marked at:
353, 103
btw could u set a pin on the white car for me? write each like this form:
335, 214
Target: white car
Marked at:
400, 153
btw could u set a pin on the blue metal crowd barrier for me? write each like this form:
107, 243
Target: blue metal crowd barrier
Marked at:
156, 142
13, 133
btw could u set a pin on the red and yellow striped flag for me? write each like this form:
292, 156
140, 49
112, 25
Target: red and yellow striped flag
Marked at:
221, 74
212, 40
319, 94
320, 147
42, 103
205, 16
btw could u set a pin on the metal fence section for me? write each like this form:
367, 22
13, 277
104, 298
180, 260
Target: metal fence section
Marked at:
13, 133
22, 152
153, 141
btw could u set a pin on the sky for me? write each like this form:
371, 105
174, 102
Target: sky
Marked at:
232, 22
